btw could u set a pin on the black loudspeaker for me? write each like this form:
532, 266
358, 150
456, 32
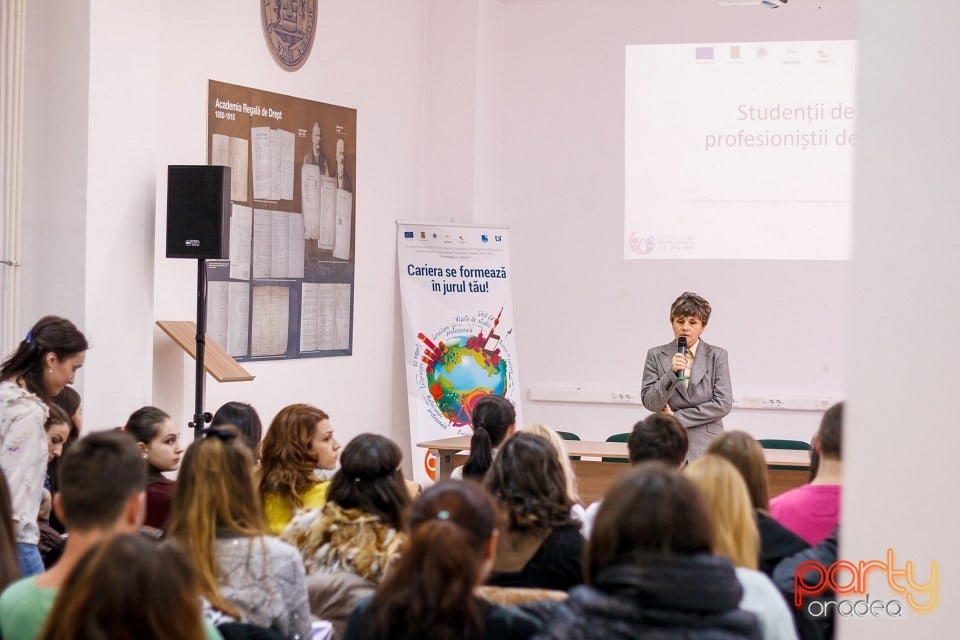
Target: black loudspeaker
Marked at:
198, 211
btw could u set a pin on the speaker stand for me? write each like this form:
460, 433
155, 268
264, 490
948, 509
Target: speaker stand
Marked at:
200, 417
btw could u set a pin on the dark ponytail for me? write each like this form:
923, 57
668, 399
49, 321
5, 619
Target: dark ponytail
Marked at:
481, 454
429, 591
492, 416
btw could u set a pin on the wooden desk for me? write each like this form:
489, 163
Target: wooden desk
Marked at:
594, 477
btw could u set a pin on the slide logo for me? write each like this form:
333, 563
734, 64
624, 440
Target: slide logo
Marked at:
642, 244
844, 577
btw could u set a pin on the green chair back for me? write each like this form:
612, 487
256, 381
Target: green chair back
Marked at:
569, 435
794, 445
617, 437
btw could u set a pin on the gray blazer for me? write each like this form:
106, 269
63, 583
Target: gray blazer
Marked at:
700, 406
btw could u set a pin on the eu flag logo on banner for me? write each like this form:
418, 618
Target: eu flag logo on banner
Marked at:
408, 234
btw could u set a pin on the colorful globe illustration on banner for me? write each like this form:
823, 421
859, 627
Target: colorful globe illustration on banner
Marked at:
463, 373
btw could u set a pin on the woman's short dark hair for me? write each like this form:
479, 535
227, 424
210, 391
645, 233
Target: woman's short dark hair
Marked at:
690, 304
527, 480
51, 334
651, 512
491, 417
245, 418
369, 479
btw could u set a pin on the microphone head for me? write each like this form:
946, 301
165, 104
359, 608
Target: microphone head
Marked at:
682, 343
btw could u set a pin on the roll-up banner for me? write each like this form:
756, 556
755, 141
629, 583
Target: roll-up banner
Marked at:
457, 328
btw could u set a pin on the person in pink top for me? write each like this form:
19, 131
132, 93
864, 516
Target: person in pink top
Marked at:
812, 511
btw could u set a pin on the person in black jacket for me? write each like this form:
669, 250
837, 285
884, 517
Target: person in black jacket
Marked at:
541, 546
649, 571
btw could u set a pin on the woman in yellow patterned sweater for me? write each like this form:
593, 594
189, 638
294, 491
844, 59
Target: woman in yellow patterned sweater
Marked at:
297, 460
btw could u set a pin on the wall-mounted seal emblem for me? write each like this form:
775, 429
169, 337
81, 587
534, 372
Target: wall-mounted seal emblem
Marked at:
289, 27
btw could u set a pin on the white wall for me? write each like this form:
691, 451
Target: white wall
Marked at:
55, 114
585, 317
902, 432
121, 183
486, 111
368, 54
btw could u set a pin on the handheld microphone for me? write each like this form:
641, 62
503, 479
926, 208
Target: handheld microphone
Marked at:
682, 350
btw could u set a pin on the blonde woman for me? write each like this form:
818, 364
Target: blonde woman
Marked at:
570, 477
245, 574
776, 541
735, 536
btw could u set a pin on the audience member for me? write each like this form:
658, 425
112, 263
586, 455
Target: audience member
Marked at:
432, 594
658, 437
349, 544
541, 546
297, 459
44, 362
746, 454
813, 510
126, 587
217, 520
158, 437
786, 579
57, 428
246, 419
735, 536
51, 541
570, 478
102, 480
494, 419
9, 567
72, 404
649, 570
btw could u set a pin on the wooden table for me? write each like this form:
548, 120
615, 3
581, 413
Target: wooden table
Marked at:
594, 476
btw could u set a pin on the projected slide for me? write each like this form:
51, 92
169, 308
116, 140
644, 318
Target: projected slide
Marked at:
739, 151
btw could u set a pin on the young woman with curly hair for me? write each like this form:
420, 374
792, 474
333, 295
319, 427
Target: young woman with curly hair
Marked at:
541, 545
297, 459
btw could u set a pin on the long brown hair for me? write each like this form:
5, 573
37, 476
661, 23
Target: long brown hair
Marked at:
528, 482
650, 513
104, 595
745, 453
51, 334
215, 490
429, 591
287, 461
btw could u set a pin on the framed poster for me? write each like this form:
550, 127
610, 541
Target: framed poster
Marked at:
287, 289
